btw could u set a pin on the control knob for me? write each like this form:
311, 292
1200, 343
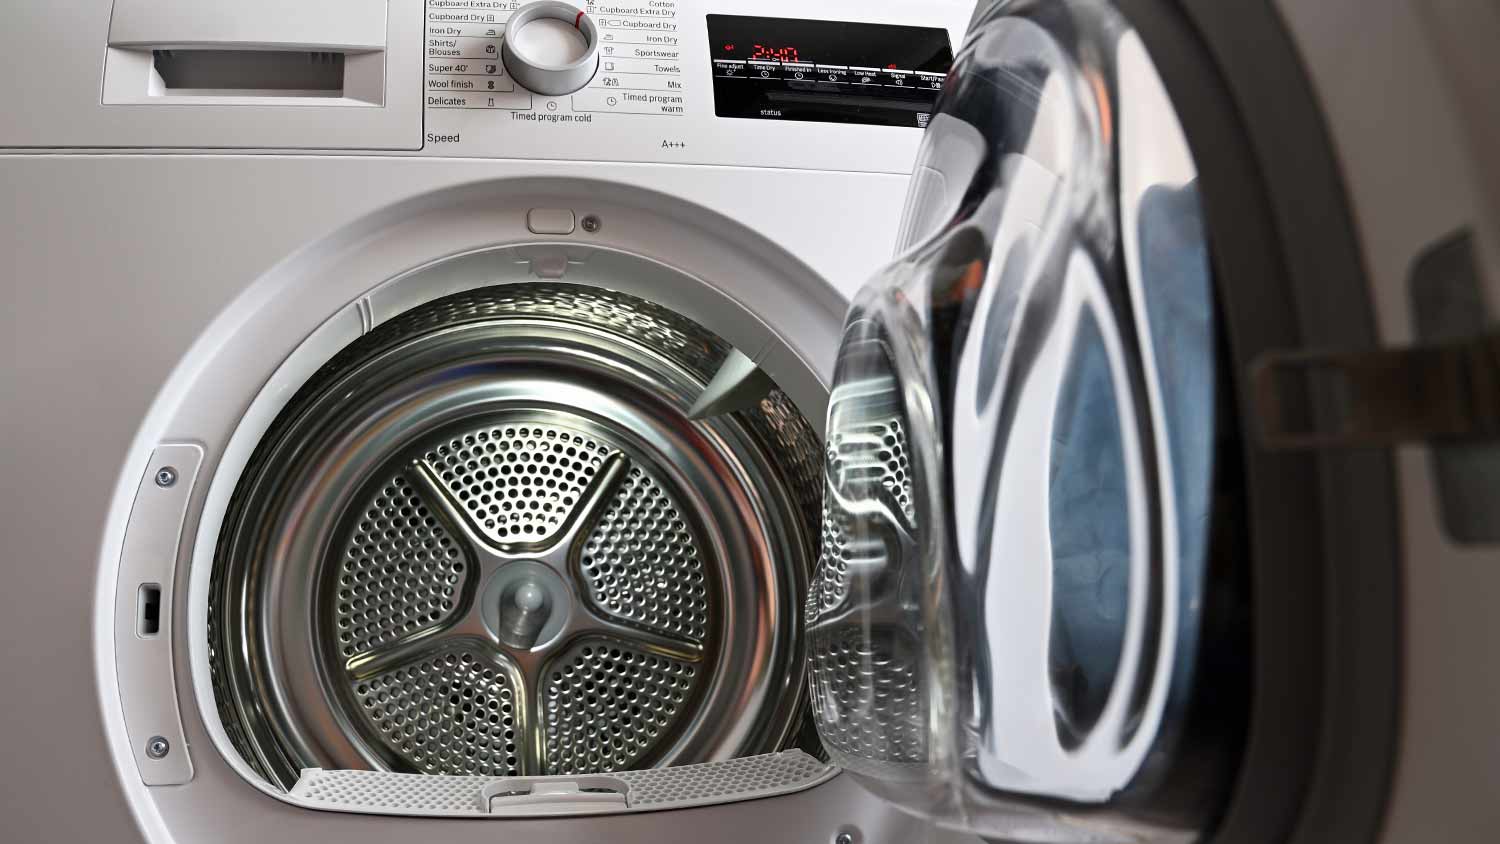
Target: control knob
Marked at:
550, 47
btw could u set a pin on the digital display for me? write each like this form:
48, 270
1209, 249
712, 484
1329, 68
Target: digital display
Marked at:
773, 54
831, 71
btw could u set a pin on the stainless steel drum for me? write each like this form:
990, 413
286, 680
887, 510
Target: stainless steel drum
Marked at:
487, 539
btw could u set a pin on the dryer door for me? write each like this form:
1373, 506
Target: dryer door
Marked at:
1056, 581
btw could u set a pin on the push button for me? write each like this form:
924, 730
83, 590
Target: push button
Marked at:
550, 221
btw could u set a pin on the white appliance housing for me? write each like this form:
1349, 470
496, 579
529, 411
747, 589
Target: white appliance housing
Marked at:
180, 259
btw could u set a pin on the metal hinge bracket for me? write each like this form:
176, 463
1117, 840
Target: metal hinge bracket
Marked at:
1442, 391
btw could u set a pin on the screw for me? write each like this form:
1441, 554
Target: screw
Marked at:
166, 476
157, 747
591, 223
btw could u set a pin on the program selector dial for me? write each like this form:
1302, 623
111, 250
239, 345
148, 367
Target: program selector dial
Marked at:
550, 47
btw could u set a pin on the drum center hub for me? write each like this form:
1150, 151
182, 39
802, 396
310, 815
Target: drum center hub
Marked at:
526, 604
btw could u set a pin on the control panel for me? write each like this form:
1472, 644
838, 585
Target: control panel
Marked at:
733, 82
471, 64
841, 85
836, 71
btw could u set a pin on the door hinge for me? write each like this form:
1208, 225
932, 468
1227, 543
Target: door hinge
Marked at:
1448, 391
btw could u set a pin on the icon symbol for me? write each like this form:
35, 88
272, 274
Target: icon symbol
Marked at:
609, 65
612, 101
798, 74
489, 68
609, 36
490, 32
552, 105
610, 51
492, 102
765, 73
489, 48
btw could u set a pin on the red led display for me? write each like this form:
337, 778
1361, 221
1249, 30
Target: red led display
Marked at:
775, 54
827, 71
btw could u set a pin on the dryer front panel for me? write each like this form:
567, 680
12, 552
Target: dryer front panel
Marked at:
844, 85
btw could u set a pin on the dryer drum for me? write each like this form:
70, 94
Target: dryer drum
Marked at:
486, 539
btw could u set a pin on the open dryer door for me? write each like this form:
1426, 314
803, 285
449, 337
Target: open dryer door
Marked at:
1072, 587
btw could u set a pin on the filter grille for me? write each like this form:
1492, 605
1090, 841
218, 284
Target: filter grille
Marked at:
683, 786
719, 782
